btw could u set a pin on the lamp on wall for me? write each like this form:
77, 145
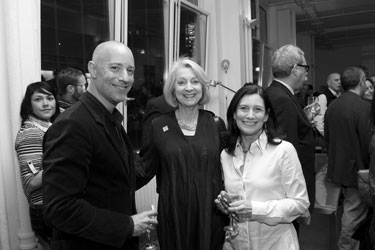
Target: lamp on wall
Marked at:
225, 66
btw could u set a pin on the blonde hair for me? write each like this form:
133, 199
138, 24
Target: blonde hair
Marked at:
169, 86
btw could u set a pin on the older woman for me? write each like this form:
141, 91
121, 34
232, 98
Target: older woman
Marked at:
263, 178
38, 107
183, 150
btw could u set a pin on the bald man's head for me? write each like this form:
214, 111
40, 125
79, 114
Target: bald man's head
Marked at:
112, 72
334, 82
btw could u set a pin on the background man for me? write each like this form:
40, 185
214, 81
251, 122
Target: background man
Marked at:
328, 94
290, 71
89, 180
347, 132
71, 84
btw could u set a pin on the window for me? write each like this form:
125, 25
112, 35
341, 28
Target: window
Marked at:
193, 33
157, 31
71, 29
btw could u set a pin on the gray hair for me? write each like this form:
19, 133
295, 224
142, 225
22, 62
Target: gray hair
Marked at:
284, 59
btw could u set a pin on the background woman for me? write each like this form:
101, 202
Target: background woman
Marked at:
369, 90
38, 108
263, 177
183, 150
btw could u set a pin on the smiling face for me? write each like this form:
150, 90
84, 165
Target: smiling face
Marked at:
43, 105
369, 92
188, 88
250, 115
112, 72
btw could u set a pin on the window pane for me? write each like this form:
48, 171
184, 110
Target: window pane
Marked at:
146, 40
70, 31
256, 61
193, 32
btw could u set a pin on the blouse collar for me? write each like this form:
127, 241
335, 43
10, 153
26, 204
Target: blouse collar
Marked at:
259, 145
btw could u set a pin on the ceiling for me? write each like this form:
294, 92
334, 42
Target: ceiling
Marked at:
334, 23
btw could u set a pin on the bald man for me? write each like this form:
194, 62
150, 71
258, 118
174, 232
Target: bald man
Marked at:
328, 94
89, 178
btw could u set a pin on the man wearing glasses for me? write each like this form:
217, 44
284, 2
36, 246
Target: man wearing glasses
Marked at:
71, 84
290, 70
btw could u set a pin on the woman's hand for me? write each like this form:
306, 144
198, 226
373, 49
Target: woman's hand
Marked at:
219, 203
243, 208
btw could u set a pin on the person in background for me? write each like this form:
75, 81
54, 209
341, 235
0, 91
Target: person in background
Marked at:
372, 172
71, 84
90, 180
369, 93
38, 108
183, 151
372, 77
263, 176
328, 94
347, 130
290, 71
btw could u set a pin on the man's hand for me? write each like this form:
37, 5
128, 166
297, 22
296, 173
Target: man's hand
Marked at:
143, 221
305, 218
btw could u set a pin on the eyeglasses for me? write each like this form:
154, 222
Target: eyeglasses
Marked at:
306, 67
82, 86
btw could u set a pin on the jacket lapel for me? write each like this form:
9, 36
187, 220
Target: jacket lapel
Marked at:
122, 149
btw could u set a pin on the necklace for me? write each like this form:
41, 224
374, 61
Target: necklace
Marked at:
185, 126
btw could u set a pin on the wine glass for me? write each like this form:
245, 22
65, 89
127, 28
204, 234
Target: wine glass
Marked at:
231, 231
149, 245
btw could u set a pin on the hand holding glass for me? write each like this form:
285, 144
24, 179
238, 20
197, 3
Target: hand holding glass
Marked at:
150, 245
231, 231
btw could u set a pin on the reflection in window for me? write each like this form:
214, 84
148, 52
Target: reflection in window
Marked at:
146, 39
257, 62
193, 34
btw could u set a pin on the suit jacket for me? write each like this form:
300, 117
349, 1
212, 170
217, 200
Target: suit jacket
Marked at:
330, 97
347, 132
89, 179
297, 129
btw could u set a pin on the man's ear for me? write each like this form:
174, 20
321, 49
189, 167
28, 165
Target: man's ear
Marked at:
92, 69
70, 89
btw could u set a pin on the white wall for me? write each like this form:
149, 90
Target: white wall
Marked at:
19, 66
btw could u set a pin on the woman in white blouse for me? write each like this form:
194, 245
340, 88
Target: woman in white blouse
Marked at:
263, 178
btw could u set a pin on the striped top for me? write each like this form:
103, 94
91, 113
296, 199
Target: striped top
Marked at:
29, 149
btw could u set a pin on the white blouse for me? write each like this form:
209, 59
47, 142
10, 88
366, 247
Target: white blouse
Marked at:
273, 181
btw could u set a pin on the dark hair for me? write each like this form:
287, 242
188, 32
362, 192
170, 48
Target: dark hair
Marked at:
365, 70
26, 108
234, 132
68, 76
351, 77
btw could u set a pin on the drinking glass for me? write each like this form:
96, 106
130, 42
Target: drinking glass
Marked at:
149, 245
231, 231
